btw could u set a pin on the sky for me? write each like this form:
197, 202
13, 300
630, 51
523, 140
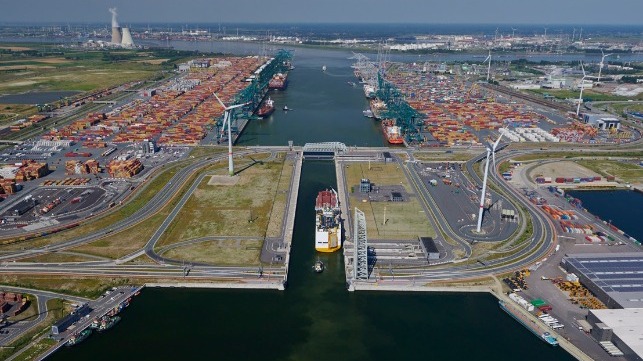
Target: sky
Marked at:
588, 12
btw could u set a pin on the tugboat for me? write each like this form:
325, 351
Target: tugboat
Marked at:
78, 337
319, 266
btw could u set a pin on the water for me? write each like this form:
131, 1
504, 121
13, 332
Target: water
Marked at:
314, 319
616, 206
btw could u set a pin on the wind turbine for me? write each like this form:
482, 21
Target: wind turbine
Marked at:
226, 118
582, 86
484, 180
600, 67
489, 67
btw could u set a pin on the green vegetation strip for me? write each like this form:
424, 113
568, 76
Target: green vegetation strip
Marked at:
627, 172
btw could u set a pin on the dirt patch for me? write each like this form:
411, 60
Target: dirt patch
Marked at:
25, 67
223, 180
14, 48
566, 169
21, 83
153, 61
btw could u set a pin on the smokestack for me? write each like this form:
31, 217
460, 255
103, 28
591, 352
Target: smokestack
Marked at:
127, 38
116, 30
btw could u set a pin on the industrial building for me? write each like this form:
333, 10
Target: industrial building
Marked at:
616, 279
63, 324
430, 248
619, 331
602, 121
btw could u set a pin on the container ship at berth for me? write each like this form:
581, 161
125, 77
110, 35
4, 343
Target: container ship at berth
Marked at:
392, 132
377, 107
267, 108
279, 81
328, 228
546, 336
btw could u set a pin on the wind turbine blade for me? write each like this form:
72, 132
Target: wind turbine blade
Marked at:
583, 69
237, 106
219, 100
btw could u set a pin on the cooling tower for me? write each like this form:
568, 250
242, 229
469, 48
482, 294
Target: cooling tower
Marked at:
116, 35
127, 38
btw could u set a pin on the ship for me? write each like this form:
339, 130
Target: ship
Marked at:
78, 337
95, 324
392, 132
279, 81
266, 108
367, 113
328, 228
546, 336
377, 107
108, 322
369, 91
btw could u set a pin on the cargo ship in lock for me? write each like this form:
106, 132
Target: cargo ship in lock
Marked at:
267, 108
546, 336
328, 228
392, 132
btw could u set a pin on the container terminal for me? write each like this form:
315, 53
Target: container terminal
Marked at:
411, 102
436, 105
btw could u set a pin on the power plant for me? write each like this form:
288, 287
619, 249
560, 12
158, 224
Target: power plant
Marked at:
120, 36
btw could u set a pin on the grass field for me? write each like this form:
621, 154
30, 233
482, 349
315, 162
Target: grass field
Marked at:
221, 252
572, 154
404, 220
440, 157
39, 69
58, 258
588, 95
243, 209
626, 172
89, 287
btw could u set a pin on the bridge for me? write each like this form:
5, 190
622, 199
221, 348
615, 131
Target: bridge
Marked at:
324, 150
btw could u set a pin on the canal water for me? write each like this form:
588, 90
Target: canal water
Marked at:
615, 206
315, 318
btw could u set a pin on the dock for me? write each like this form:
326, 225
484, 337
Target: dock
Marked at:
105, 304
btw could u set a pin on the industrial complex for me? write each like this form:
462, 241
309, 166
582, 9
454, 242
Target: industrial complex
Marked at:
469, 190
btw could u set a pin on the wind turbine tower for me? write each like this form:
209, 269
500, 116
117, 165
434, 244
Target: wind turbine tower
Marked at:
488, 59
582, 86
227, 118
600, 66
484, 180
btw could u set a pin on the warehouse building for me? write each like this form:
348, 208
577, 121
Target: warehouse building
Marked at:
619, 331
616, 279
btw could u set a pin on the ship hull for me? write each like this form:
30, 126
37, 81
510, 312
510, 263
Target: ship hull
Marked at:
328, 228
391, 132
